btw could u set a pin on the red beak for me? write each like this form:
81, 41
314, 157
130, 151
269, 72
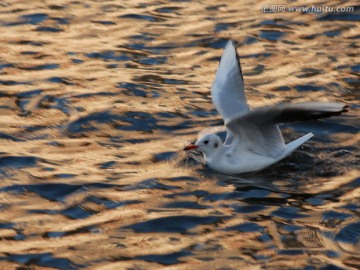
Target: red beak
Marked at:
191, 146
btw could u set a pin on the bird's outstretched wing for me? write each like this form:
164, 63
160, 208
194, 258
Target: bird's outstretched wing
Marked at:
288, 112
228, 87
257, 130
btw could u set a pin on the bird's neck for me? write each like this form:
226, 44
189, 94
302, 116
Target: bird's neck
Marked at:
210, 156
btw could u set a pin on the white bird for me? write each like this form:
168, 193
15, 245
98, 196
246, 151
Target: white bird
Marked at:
254, 140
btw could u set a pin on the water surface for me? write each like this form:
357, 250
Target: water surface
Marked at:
97, 100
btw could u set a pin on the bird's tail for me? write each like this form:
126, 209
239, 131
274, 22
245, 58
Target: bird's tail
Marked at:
292, 146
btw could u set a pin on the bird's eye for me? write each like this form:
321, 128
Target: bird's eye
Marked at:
206, 142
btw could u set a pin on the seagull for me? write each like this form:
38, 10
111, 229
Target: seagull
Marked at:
253, 138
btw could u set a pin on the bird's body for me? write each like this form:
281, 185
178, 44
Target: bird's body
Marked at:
247, 161
228, 159
254, 140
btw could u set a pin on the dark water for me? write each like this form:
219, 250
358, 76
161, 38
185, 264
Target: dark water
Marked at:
97, 100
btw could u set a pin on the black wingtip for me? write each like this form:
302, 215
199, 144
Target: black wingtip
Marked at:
345, 108
296, 115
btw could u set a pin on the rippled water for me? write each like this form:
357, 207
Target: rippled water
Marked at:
97, 99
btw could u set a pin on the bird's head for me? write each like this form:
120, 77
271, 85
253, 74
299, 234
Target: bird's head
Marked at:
207, 144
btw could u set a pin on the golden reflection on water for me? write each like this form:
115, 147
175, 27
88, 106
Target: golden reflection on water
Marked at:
97, 100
